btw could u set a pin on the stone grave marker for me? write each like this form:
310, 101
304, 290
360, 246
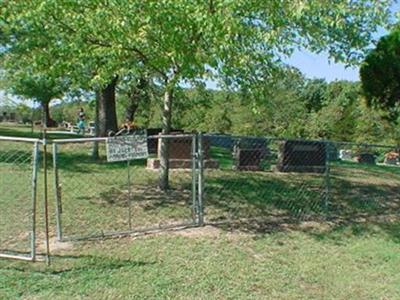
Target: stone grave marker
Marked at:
302, 156
248, 154
391, 158
365, 158
180, 154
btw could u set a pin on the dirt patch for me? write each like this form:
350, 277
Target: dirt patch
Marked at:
312, 225
56, 246
205, 231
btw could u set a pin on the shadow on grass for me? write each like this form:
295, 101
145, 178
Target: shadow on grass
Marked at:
87, 263
247, 195
341, 229
262, 203
146, 197
14, 157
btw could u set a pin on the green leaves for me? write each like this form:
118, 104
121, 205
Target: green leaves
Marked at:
244, 41
380, 74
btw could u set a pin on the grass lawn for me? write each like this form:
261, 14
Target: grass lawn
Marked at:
271, 234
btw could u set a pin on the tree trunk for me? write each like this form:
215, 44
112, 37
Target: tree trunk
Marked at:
164, 145
106, 106
137, 94
95, 151
46, 119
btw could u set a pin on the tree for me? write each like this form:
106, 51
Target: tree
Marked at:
39, 88
380, 74
57, 55
337, 118
240, 42
313, 94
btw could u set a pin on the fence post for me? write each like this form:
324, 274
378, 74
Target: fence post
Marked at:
200, 180
46, 204
129, 196
327, 178
34, 197
195, 210
57, 190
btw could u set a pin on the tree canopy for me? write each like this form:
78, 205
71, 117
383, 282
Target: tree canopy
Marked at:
181, 40
380, 74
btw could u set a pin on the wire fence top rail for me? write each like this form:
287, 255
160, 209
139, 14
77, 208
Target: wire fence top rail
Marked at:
100, 139
77, 140
93, 139
236, 137
20, 139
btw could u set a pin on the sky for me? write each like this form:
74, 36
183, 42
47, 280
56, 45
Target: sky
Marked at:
318, 65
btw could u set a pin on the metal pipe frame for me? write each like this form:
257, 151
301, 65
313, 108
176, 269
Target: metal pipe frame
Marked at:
18, 139
147, 230
57, 191
200, 180
35, 156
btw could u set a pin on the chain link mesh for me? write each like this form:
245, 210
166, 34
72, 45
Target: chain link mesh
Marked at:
365, 183
243, 181
16, 197
99, 197
261, 178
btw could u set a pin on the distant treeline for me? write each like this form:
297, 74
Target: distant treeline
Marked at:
291, 107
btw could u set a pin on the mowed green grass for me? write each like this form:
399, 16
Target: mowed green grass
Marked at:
215, 264
272, 237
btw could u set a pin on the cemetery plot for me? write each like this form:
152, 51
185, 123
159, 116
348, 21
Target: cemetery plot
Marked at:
366, 185
250, 185
301, 179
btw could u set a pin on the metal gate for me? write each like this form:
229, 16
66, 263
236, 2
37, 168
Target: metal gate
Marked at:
95, 198
19, 165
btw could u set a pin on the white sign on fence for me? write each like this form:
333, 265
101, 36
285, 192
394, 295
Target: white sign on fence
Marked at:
129, 147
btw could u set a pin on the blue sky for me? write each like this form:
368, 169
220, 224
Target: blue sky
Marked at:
319, 66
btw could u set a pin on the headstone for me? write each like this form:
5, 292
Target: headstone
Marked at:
249, 153
180, 154
179, 148
302, 156
391, 158
365, 158
346, 154
152, 142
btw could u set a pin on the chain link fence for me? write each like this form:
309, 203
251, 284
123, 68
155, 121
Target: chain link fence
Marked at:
19, 160
96, 197
245, 182
262, 182
261, 178
365, 183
